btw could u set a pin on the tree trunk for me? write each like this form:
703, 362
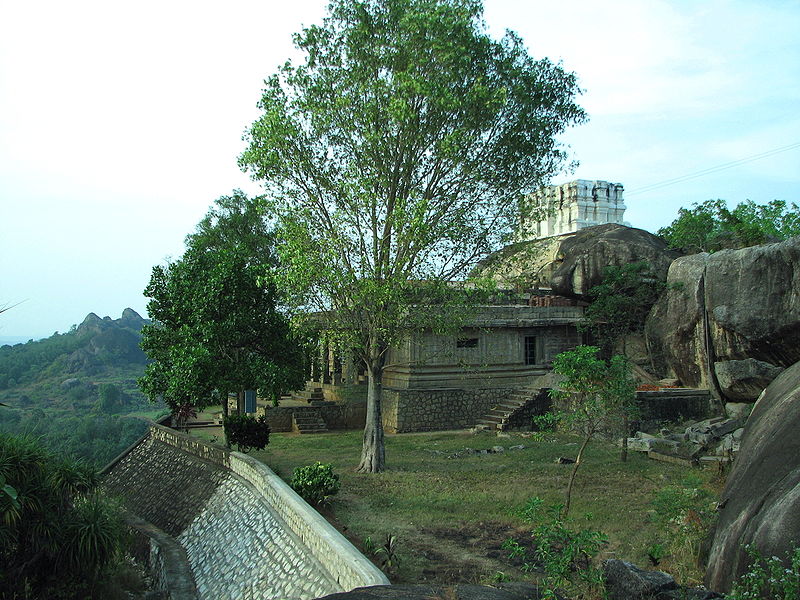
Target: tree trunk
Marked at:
575, 472
225, 416
373, 457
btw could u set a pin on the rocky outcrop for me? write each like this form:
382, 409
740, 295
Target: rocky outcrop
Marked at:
572, 264
591, 250
744, 379
733, 305
760, 504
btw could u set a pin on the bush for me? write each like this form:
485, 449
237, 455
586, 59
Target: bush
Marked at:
769, 578
315, 483
566, 556
247, 432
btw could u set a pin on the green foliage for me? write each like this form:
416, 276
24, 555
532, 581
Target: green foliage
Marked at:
218, 324
396, 154
246, 431
90, 437
594, 395
566, 557
769, 578
684, 514
620, 304
315, 483
710, 226
59, 536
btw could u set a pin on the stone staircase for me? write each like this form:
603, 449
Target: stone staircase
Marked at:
310, 394
308, 422
498, 418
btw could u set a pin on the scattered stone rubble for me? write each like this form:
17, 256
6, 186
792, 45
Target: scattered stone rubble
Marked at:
709, 442
472, 451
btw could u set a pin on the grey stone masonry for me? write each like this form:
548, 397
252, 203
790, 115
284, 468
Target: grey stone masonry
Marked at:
245, 533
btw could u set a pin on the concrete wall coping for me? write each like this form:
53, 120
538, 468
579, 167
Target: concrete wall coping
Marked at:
344, 562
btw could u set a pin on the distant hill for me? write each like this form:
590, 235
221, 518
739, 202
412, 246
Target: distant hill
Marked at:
72, 388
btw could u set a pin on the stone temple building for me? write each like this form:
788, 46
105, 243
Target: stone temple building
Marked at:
567, 208
494, 366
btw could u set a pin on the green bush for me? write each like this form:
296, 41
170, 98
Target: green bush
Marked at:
769, 578
566, 556
315, 483
247, 432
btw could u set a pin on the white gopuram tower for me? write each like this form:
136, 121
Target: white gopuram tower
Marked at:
566, 208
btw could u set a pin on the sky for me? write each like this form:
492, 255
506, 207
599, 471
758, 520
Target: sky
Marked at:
120, 123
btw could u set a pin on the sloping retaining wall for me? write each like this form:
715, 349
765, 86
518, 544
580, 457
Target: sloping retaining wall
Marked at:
246, 534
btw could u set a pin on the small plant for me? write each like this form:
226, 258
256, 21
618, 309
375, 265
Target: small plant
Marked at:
769, 578
388, 553
246, 431
315, 483
655, 553
500, 577
566, 556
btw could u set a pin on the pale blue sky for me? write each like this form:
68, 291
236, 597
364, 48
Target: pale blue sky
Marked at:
120, 123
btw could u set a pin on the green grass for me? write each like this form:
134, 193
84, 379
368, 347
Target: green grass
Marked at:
451, 514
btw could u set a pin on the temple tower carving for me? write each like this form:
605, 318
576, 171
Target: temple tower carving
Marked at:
566, 208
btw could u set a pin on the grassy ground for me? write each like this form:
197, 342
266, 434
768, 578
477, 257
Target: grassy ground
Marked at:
450, 515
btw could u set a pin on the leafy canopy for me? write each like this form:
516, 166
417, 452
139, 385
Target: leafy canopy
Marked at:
217, 325
710, 226
398, 149
621, 302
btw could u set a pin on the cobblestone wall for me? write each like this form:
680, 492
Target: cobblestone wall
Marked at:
246, 534
431, 410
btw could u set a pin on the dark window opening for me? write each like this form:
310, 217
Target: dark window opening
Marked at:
467, 343
530, 350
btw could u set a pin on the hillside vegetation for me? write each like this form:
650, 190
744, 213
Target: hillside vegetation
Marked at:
77, 390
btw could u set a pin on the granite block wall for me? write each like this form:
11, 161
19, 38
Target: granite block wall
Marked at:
431, 410
245, 533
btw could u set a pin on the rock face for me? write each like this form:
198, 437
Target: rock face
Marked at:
572, 264
733, 305
591, 250
625, 581
761, 500
744, 379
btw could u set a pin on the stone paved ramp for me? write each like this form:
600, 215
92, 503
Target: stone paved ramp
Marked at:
237, 547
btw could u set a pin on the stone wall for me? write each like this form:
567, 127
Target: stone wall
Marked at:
246, 534
442, 409
340, 416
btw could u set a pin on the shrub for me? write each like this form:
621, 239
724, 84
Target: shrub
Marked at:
247, 431
315, 483
769, 578
566, 556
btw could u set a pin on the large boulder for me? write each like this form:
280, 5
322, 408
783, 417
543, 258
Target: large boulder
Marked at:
591, 250
732, 305
743, 380
572, 264
760, 504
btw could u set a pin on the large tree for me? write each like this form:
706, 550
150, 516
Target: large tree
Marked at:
710, 226
397, 153
217, 323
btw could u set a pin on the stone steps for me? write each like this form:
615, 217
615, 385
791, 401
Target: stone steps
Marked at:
498, 417
308, 423
309, 395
